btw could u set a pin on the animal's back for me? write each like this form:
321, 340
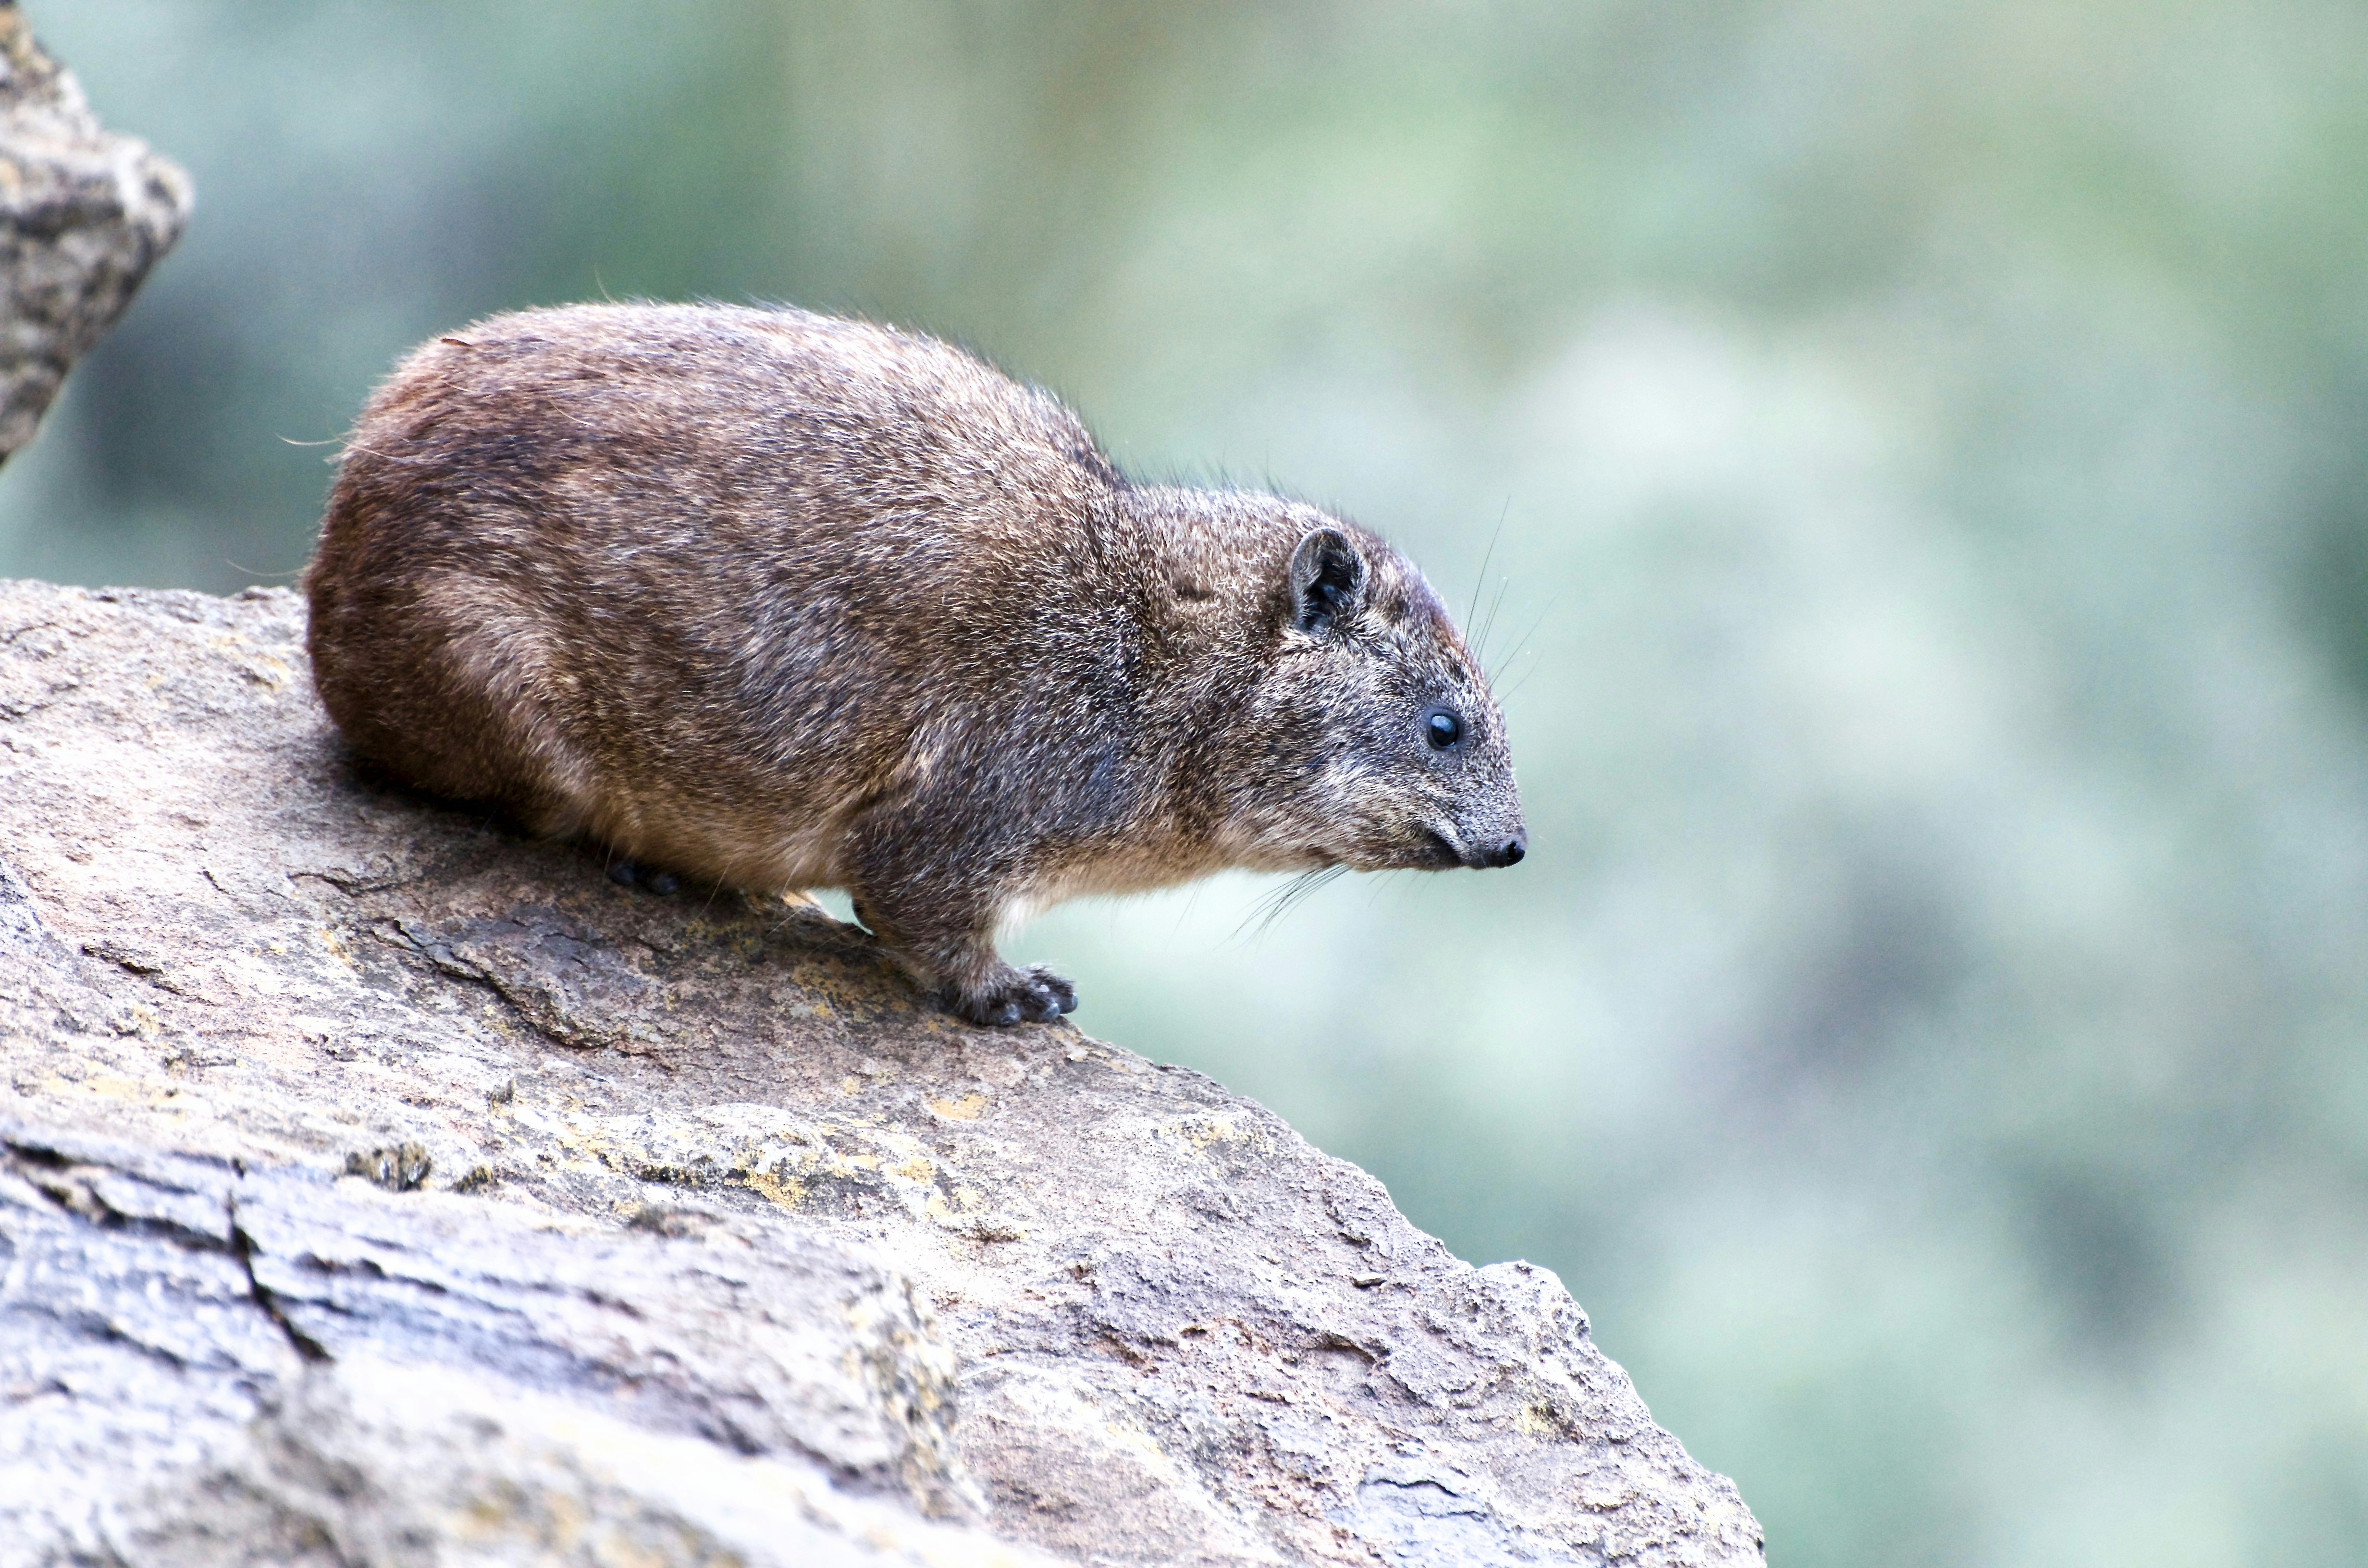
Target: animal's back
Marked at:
699, 580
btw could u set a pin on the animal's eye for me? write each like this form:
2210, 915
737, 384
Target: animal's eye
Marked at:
1443, 728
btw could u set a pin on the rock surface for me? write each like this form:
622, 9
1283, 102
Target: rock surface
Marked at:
377, 1186
84, 215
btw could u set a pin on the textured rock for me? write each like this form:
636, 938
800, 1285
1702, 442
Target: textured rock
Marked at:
204, 1363
382, 1184
84, 215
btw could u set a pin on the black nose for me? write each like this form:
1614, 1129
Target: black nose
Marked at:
1510, 853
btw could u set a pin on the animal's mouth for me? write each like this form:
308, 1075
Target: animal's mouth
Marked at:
1428, 849
1438, 852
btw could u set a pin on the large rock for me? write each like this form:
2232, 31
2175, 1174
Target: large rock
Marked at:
84, 214
379, 1186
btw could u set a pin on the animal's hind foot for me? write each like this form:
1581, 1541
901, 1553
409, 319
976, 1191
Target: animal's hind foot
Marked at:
1034, 995
625, 873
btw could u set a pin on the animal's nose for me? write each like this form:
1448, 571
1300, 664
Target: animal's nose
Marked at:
1511, 851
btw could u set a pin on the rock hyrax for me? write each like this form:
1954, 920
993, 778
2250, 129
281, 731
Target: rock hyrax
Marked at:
780, 601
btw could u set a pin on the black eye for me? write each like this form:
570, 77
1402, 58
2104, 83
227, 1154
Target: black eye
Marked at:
1444, 729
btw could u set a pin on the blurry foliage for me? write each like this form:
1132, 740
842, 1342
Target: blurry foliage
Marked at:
1923, 450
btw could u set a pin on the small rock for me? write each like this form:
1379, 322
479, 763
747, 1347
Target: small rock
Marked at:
398, 1167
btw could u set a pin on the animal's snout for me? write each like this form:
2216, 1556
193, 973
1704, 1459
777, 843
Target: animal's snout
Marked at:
1505, 851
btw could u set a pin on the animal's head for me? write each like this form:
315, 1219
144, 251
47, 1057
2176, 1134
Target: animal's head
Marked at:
1382, 746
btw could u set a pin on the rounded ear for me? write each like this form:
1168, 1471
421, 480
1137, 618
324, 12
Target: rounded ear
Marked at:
1328, 581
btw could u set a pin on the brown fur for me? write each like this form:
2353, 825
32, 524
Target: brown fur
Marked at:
781, 601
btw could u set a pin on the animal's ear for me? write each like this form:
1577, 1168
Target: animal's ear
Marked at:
1328, 581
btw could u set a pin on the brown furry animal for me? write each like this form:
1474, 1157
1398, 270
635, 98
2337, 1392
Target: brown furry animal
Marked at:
783, 602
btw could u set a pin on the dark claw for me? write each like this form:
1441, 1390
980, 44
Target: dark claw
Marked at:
1058, 996
662, 883
1036, 996
622, 872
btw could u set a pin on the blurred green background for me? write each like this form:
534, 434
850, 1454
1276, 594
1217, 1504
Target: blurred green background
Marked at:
1923, 446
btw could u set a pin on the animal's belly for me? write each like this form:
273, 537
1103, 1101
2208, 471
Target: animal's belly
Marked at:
765, 836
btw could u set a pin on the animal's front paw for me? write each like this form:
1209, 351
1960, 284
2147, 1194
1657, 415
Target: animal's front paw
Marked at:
1015, 996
